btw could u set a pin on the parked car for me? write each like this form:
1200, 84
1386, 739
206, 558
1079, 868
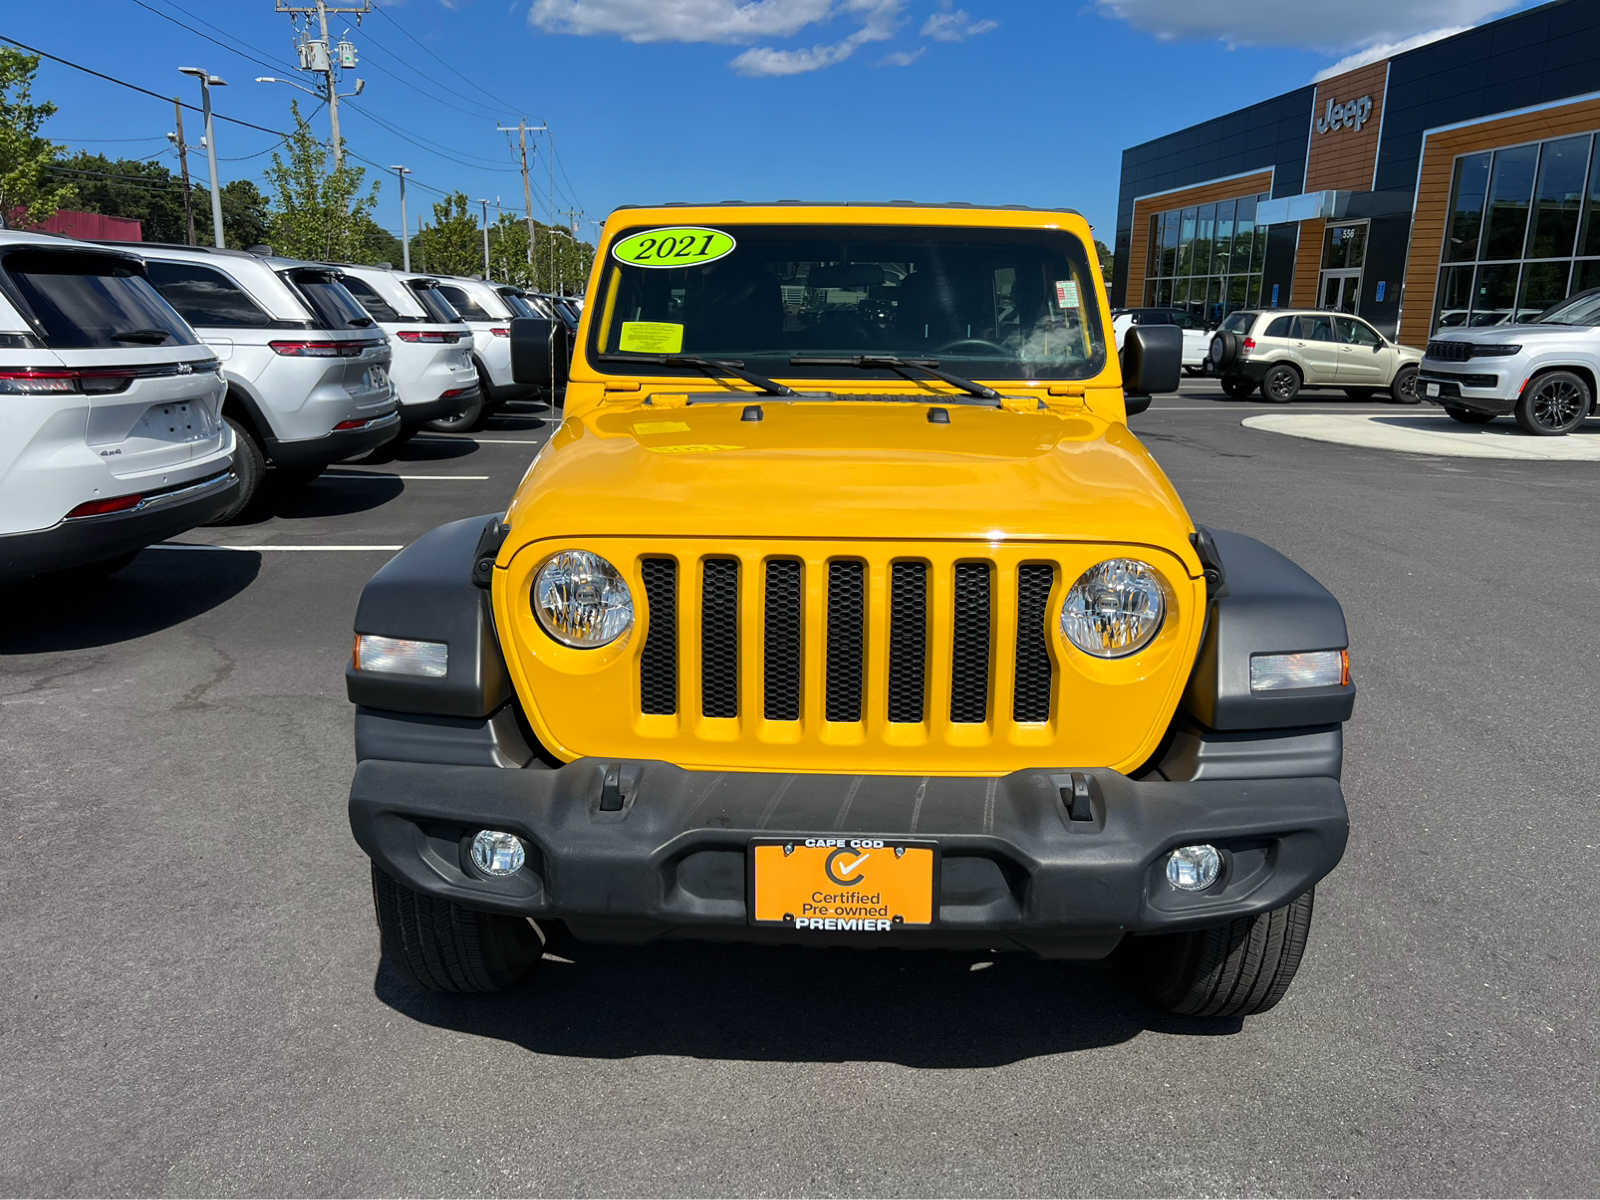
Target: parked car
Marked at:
1282, 353
111, 429
307, 369
850, 642
1542, 371
1196, 335
432, 366
487, 311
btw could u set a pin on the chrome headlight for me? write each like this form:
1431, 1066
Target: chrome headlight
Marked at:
581, 599
1115, 608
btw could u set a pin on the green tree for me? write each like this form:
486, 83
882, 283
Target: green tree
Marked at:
147, 192
560, 261
375, 245
25, 183
316, 212
1107, 259
452, 244
246, 216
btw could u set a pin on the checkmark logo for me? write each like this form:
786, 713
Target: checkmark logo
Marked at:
841, 872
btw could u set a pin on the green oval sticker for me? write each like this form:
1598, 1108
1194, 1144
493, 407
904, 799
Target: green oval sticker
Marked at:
676, 247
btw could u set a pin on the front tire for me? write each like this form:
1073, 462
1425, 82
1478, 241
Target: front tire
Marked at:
1281, 383
1233, 970
439, 946
1467, 416
1404, 388
250, 465
1554, 404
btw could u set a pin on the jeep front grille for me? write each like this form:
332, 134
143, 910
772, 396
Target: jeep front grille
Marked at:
851, 640
1444, 350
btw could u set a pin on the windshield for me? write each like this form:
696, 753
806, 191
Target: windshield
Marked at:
80, 301
1582, 309
987, 303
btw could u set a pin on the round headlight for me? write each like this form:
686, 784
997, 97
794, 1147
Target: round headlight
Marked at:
1115, 608
581, 599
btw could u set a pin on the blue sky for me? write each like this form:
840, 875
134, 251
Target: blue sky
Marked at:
1006, 101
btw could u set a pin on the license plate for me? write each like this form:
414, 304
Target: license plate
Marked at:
1430, 389
843, 885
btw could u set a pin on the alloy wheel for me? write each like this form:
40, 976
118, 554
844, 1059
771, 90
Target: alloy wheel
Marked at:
1556, 403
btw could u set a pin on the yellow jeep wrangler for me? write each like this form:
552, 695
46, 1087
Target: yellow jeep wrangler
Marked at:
844, 609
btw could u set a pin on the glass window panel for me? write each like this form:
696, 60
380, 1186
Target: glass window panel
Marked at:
1213, 309
1150, 290
1466, 207
1152, 261
1224, 238
1238, 295
1186, 242
1164, 292
1510, 189
1204, 231
1180, 291
1493, 291
1244, 224
1252, 298
1558, 197
1544, 284
1589, 238
1169, 244
1586, 275
1455, 297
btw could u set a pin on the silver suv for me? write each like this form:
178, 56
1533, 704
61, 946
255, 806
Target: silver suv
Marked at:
307, 368
1542, 370
1282, 352
487, 309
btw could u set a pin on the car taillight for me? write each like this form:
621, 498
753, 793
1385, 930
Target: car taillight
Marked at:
319, 349
429, 335
99, 508
1249, 344
27, 382
500, 330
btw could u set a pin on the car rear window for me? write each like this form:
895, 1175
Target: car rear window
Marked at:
367, 296
433, 301
87, 301
329, 300
463, 303
518, 303
1238, 322
204, 296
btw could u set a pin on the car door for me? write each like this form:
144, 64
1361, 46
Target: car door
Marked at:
1315, 348
1365, 359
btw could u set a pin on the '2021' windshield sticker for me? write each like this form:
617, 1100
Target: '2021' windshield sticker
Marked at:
676, 247
650, 337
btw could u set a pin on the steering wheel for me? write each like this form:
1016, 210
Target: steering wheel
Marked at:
999, 350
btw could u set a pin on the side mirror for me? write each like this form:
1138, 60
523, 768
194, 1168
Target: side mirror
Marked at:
1136, 404
1152, 360
541, 352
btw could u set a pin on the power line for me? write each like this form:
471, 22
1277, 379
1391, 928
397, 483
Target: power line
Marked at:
384, 13
478, 110
482, 164
285, 65
230, 49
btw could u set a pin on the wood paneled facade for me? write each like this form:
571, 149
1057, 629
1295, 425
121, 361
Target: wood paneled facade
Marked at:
1149, 206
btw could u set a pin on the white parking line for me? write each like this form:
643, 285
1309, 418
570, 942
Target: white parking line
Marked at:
487, 441
387, 475
208, 546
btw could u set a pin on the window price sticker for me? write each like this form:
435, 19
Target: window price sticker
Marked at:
1066, 293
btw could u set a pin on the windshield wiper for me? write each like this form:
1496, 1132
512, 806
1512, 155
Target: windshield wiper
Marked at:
149, 337
904, 365
713, 366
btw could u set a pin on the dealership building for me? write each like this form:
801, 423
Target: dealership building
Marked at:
1455, 184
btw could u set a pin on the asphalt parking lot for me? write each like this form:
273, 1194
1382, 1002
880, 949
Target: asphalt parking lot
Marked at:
191, 1002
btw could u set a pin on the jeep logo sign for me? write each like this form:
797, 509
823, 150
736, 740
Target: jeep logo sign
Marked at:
1352, 114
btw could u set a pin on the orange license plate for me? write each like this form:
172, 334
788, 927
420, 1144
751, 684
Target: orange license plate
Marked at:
843, 885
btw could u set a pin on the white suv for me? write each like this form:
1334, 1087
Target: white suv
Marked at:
1282, 352
432, 367
307, 368
1196, 336
487, 308
111, 430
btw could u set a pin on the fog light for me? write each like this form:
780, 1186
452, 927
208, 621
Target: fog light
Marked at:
496, 854
1189, 868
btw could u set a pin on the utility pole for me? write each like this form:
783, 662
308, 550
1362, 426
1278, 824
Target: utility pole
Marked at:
183, 166
485, 203
320, 57
207, 82
405, 235
522, 129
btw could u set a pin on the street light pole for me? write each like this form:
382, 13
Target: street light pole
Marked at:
485, 204
207, 82
405, 236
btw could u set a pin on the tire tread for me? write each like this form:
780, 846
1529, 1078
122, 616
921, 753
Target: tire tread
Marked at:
444, 947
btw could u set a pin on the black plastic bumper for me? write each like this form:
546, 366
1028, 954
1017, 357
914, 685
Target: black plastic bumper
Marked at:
655, 850
84, 540
445, 406
337, 445
1450, 386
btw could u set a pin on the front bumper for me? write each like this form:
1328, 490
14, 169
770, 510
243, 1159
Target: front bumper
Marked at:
78, 541
641, 850
1474, 390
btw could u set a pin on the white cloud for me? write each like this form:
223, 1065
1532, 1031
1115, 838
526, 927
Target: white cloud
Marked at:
1347, 26
955, 26
1382, 50
902, 58
878, 21
679, 20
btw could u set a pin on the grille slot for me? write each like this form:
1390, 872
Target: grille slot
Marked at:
847, 638
969, 651
658, 660
719, 638
1031, 701
908, 640
1449, 351
781, 641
